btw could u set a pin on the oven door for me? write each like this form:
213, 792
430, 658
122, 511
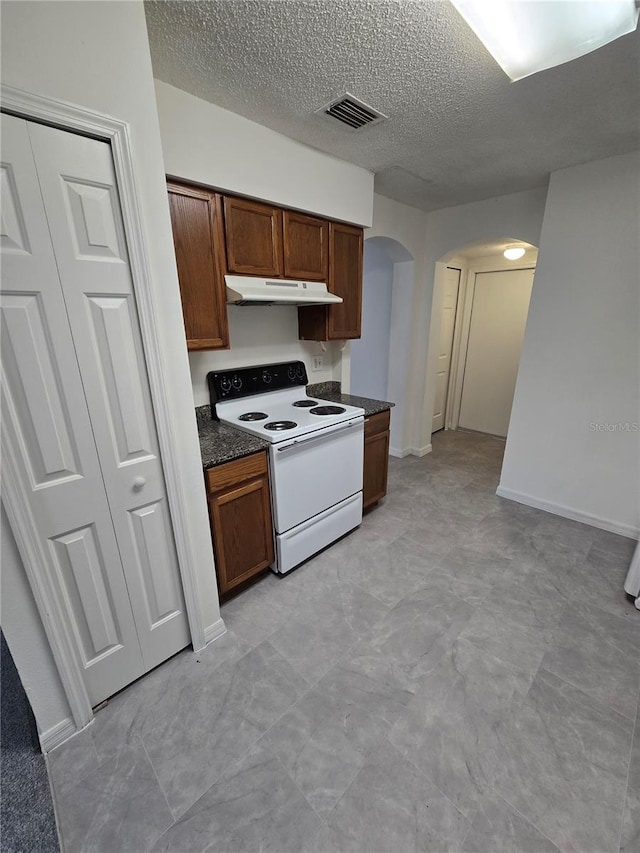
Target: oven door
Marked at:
314, 472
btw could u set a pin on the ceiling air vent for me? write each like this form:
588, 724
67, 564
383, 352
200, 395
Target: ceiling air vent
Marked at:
351, 111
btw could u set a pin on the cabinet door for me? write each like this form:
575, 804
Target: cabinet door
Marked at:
253, 234
305, 246
196, 217
240, 512
376, 458
345, 279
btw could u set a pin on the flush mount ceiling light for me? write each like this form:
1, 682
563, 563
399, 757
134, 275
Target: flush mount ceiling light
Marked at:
513, 254
525, 37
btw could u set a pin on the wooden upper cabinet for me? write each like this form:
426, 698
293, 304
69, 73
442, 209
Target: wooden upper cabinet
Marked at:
338, 322
198, 238
345, 280
253, 234
306, 250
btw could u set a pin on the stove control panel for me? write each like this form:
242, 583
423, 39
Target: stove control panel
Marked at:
245, 381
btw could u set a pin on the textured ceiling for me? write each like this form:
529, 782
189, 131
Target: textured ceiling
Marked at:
458, 130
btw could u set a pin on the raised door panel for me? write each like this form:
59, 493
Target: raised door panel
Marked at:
47, 436
162, 593
112, 329
253, 237
306, 250
79, 189
198, 238
345, 280
35, 392
83, 578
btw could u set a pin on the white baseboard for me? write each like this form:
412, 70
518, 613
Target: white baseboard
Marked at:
212, 632
399, 454
568, 512
57, 734
421, 451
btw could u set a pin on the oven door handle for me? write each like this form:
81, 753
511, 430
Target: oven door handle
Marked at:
321, 433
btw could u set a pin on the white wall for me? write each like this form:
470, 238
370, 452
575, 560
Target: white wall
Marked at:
262, 334
580, 360
27, 641
399, 372
211, 146
405, 226
517, 216
96, 55
370, 354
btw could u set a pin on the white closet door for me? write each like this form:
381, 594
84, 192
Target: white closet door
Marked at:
498, 320
47, 430
80, 195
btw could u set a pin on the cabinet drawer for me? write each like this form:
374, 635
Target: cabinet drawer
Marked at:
230, 473
375, 424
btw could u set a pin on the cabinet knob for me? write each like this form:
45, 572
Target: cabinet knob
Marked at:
138, 484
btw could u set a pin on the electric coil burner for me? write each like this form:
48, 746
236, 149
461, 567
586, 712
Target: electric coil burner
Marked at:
280, 425
315, 454
327, 410
253, 416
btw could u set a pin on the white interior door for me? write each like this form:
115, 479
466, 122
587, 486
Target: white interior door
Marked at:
79, 410
498, 319
80, 195
47, 430
447, 326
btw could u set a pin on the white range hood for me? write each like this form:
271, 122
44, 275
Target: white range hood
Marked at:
250, 290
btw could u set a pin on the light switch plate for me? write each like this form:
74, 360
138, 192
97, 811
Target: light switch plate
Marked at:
317, 363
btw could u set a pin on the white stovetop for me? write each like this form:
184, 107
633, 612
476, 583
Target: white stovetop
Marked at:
278, 406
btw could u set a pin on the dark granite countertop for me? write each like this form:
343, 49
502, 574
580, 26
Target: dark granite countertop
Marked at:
221, 443
331, 391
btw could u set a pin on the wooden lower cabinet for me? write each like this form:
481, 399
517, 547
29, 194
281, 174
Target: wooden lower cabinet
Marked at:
240, 515
376, 458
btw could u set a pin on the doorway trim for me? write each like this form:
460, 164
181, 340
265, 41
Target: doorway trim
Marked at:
117, 133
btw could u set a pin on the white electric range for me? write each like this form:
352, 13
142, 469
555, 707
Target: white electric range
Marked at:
315, 453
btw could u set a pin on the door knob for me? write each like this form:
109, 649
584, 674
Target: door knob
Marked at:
138, 484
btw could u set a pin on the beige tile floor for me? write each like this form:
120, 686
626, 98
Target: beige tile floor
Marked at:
459, 674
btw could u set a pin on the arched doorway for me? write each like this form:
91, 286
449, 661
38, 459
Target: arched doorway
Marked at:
378, 360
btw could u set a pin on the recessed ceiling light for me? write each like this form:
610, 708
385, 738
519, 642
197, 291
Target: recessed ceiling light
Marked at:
513, 254
525, 38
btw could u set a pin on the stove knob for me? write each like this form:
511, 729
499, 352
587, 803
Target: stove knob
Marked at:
291, 372
300, 371
225, 384
266, 377
237, 383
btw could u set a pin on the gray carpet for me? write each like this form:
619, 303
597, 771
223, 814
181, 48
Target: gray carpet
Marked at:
27, 822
